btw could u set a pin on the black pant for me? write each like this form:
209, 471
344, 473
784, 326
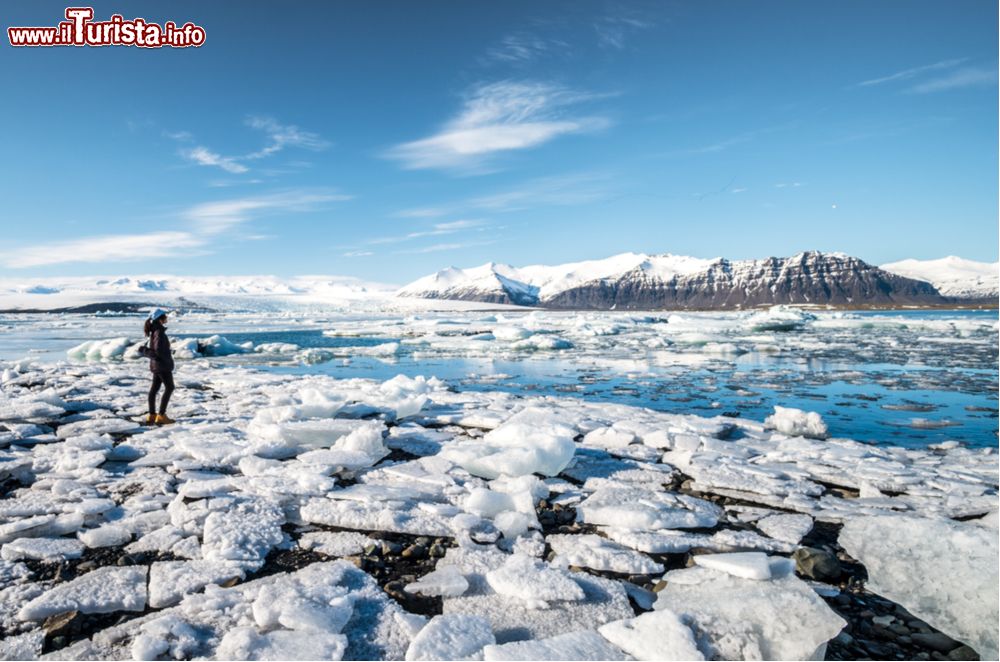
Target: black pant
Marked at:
167, 379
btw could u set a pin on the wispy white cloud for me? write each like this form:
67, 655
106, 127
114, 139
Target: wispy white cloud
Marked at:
436, 230
181, 136
788, 185
522, 48
280, 137
206, 157
907, 74
613, 30
357, 254
499, 117
223, 215
558, 191
422, 212
437, 248
206, 221
106, 248
967, 77
567, 190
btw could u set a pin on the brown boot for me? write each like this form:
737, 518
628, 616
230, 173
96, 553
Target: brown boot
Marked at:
151, 419
162, 419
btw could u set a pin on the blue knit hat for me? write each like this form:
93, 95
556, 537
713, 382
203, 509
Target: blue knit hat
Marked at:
157, 314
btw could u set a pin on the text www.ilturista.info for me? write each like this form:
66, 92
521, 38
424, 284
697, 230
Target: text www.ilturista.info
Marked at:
79, 29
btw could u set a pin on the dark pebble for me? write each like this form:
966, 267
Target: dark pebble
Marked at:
417, 551
963, 652
937, 641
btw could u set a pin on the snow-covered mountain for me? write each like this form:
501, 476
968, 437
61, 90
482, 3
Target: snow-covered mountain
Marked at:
226, 292
640, 281
953, 276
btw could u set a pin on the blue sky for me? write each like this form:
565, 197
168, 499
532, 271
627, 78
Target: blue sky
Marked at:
386, 140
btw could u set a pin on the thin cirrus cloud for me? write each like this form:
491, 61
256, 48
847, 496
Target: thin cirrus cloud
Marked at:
206, 221
938, 77
106, 248
223, 215
437, 229
557, 191
913, 72
969, 77
279, 137
613, 30
499, 117
438, 248
521, 48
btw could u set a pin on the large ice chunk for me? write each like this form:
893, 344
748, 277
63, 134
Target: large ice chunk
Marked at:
797, 423
49, 550
451, 637
534, 440
514, 619
533, 581
246, 643
942, 571
99, 591
655, 635
747, 619
582, 645
597, 553
787, 528
644, 509
748, 565
246, 531
447, 580
170, 581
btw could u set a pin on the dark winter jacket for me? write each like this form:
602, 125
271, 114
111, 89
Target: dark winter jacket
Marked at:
163, 361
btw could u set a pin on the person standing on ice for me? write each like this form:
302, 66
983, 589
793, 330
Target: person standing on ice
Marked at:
161, 364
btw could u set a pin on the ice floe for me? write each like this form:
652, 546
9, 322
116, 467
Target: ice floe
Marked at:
264, 467
947, 575
735, 618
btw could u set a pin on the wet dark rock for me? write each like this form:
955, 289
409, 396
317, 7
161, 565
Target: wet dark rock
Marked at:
936, 641
417, 551
128, 559
55, 624
817, 564
963, 652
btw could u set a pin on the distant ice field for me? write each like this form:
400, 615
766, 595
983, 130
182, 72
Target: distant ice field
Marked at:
909, 378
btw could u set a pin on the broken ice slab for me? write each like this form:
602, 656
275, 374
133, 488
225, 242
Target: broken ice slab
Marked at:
99, 591
643, 508
735, 617
597, 553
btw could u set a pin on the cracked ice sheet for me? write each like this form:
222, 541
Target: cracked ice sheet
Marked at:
942, 571
377, 628
643, 508
512, 619
100, 591
582, 645
735, 618
170, 581
597, 553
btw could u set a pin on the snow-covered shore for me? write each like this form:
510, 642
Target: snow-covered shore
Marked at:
308, 517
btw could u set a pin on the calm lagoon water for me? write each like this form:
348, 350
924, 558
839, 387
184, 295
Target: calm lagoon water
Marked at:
903, 378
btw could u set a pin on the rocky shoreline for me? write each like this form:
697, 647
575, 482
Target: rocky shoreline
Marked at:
876, 628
